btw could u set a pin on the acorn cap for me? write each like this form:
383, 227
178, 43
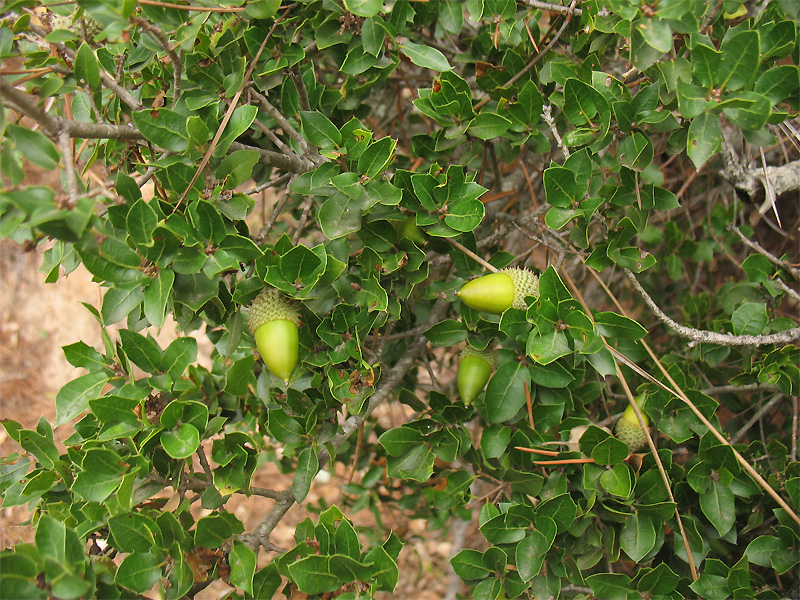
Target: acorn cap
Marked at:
271, 305
489, 355
525, 284
630, 433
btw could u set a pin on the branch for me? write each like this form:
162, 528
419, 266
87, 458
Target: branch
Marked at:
756, 417
69, 166
53, 126
108, 81
757, 247
27, 105
711, 337
782, 179
553, 7
282, 121
547, 115
539, 56
177, 66
390, 380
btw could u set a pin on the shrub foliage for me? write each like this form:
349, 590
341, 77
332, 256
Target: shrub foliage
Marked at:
640, 158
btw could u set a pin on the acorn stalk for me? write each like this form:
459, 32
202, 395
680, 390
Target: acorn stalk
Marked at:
474, 370
629, 430
274, 320
500, 291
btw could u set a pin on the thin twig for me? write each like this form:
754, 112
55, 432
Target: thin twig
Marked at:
537, 58
219, 9
765, 253
268, 184
640, 417
231, 108
712, 337
756, 417
472, 255
69, 166
201, 456
284, 124
300, 85
547, 115
301, 225
676, 391
275, 212
553, 7
769, 191
177, 67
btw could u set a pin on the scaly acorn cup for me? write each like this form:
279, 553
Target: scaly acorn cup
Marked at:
500, 291
629, 430
273, 320
474, 370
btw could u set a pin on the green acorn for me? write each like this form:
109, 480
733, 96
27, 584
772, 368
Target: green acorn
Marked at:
500, 291
629, 430
474, 370
273, 320
409, 229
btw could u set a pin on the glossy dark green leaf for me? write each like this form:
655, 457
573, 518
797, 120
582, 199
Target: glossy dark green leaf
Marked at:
739, 63
505, 394
182, 442
531, 551
139, 572
339, 216
560, 186
243, 566
134, 532
385, 572
494, 441
713, 587
425, 56
101, 475
487, 126
446, 333
638, 536
635, 151
86, 68
73, 398
307, 467
377, 157
143, 351
240, 121
416, 464
778, 83
661, 580
747, 110
364, 8
216, 529
617, 480
319, 130
750, 318
548, 347
561, 509
612, 586
705, 137
583, 104
717, 504
237, 167
156, 296
164, 128
468, 564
